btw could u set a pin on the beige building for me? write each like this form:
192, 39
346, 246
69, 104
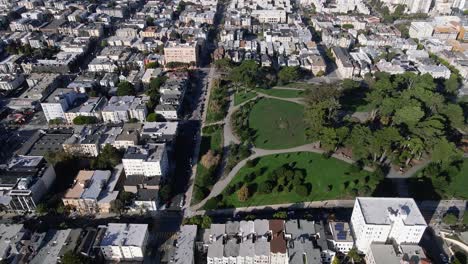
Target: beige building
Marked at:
181, 52
93, 191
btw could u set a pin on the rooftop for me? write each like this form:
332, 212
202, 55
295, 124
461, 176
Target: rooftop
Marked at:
378, 210
124, 235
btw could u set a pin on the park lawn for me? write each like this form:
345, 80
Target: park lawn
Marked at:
458, 188
282, 93
299, 85
320, 173
243, 96
278, 124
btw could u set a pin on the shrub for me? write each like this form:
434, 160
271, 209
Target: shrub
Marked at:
250, 177
302, 190
212, 203
210, 159
450, 219
243, 193
266, 187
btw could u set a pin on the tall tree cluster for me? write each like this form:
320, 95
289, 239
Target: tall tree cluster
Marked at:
411, 115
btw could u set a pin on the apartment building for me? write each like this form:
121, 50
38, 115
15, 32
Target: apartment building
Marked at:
185, 244
343, 62
92, 107
93, 191
58, 102
149, 160
90, 139
123, 108
383, 219
124, 242
10, 82
181, 52
24, 180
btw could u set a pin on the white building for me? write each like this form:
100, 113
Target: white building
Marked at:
384, 219
342, 238
123, 108
420, 29
150, 160
10, 82
57, 103
124, 242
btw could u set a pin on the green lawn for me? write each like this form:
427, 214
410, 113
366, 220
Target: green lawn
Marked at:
243, 96
283, 93
278, 124
459, 185
299, 85
320, 173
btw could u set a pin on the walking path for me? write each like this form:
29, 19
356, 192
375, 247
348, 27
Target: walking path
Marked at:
258, 152
288, 88
453, 241
297, 100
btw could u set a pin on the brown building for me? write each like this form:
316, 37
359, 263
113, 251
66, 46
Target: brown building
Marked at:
278, 249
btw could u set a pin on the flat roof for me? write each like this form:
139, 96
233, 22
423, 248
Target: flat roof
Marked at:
124, 235
376, 210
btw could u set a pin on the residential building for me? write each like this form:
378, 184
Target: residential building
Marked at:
124, 242
149, 160
93, 191
184, 245
51, 246
58, 102
278, 249
181, 52
420, 29
123, 108
10, 82
343, 62
341, 236
159, 132
23, 183
92, 107
11, 237
88, 140
382, 219
169, 112
404, 254
299, 236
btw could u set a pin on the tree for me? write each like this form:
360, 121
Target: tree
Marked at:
151, 65
151, 117
336, 260
125, 88
243, 193
445, 151
266, 187
84, 120
354, 254
452, 84
117, 206
165, 192
288, 74
73, 258
246, 73
280, 215
223, 64
56, 121
409, 115
302, 190
450, 219
212, 203
108, 158
41, 209
465, 218
210, 159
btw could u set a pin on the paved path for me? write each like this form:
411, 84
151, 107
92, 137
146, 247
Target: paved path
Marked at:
298, 100
275, 207
394, 174
288, 88
257, 152
453, 241
229, 138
